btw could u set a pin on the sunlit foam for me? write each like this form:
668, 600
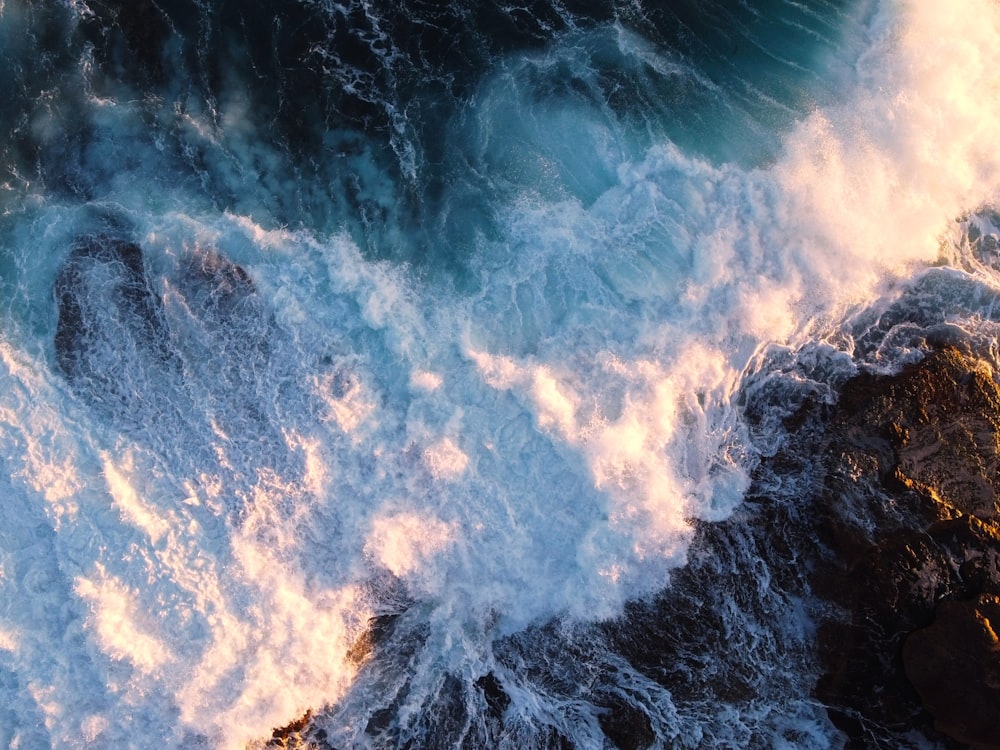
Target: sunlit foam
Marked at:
880, 179
426, 381
124, 629
445, 460
406, 543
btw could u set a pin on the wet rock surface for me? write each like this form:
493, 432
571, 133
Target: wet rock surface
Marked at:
958, 650
913, 572
934, 428
298, 735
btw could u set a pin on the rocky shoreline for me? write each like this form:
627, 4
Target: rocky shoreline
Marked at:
892, 539
910, 518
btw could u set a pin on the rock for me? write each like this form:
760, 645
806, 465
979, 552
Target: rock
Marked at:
940, 419
890, 591
497, 700
223, 309
215, 282
107, 313
626, 725
954, 663
378, 631
910, 522
299, 735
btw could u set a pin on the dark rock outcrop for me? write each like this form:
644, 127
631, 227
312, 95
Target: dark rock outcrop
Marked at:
910, 521
958, 650
934, 427
626, 725
299, 735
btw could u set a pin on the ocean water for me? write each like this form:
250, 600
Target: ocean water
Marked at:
383, 360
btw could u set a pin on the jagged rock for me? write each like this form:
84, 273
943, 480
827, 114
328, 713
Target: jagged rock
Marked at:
890, 591
299, 735
378, 630
910, 519
495, 696
940, 420
626, 725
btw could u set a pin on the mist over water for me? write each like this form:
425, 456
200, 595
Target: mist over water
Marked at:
364, 360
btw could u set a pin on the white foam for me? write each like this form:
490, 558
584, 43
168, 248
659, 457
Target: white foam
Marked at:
405, 543
190, 630
680, 271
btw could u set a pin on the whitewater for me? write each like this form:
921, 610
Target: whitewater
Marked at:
389, 412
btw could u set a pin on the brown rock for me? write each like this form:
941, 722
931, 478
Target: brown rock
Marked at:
954, 663
292, 735
940, 419
910, 517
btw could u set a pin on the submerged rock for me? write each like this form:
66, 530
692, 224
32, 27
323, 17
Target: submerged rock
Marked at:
113, 335
215, 285
110, 326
